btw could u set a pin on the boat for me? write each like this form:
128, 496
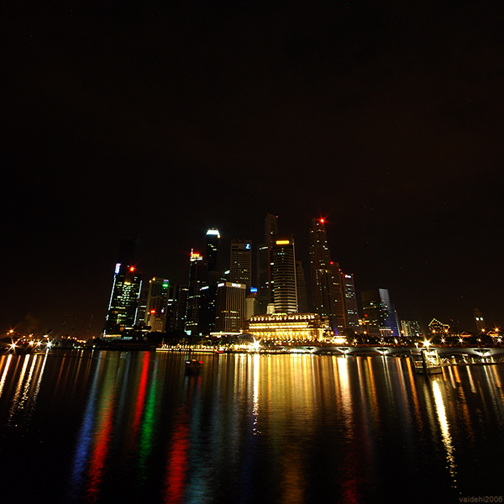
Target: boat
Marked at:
193, 366
426, 362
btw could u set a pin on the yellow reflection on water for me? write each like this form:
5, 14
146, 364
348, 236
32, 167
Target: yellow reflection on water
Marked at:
445, 431
6, 370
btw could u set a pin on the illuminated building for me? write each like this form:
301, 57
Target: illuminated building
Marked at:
283, 275
230, 309
350, 301
264, 293
380, 312
282, 327
437, 327
241, 262
410, 329
325, 277
198, 274
156, 307
176, 307
213, 240
126, 287
478, 318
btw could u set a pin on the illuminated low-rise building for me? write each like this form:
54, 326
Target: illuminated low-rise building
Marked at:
288, 327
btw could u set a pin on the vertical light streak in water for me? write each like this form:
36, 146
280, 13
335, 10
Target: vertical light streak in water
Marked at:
471, 381
255, 398
103, 435
404, 394
148, 426
6, 370
371, 386
445, 432
85, 436
15, 399
450, 374
39, 381
140, 401
350, 485
176, 467
497, 396
416, 403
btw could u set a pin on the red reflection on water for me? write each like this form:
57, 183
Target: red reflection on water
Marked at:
177, 461
140, 401
100, 450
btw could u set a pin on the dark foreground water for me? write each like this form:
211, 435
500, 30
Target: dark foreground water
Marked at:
131, 427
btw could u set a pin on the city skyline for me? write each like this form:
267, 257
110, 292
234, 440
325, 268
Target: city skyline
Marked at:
159, 122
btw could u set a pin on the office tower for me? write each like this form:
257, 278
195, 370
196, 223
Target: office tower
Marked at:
380, 312
410, 329
478, 318
230, 308
176, 307
325, 278
301, 288
156, 307
212, 249
126, 287
350, 301
264, 292
241, 262
283, 275
251, 305
198, 274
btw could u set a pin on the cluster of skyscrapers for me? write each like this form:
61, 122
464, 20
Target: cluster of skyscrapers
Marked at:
224, 301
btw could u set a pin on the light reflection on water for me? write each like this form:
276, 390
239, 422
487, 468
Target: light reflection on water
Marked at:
249, 428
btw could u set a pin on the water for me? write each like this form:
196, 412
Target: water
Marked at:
132, 427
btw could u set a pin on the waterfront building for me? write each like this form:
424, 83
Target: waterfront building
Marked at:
126, 288
264, 293
283, 275
212, 251
380, 312
240, 270
156, 307
478, 318
438, 328
325, 277
288, 327
251, 305
230, 308
198, 275
410, 329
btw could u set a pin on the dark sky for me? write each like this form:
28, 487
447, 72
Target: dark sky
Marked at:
144, 119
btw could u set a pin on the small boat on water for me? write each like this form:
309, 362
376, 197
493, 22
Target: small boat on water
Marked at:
427, 362
193, 366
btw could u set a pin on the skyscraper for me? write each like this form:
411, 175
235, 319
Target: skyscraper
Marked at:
198, 274
325, 277
264, 292
212, 250
240, 270
126, 287
380, 312
350, 301
283, 275
230, 310
156, 307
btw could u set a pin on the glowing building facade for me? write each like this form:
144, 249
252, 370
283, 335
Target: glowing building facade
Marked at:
288, 327
126, 287
198, 274
283, 275
230, 310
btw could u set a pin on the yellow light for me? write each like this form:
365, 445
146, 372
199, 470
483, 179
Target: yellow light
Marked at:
282, 242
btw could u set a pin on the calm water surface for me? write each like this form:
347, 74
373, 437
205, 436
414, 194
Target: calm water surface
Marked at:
109, 426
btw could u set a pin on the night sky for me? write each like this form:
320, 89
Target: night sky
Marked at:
156, 121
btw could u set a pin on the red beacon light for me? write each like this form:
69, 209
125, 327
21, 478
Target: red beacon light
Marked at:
132, 268
322, 220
